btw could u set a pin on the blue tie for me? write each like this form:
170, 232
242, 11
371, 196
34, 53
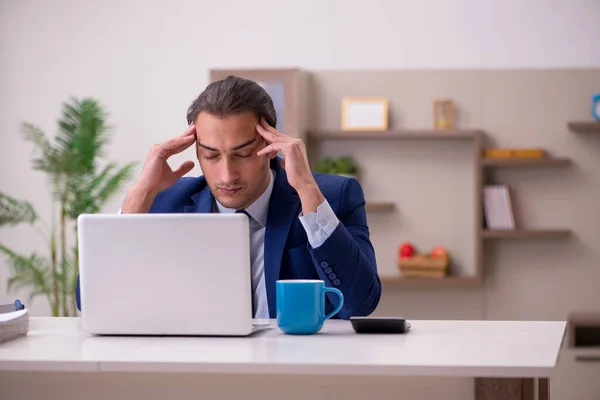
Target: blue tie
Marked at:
251, 289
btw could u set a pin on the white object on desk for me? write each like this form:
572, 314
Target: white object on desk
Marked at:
13, 324
165, 274
432, 348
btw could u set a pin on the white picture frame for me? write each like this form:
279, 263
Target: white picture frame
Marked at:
364, 114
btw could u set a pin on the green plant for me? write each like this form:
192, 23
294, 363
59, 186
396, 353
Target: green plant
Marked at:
337, 165
78, 186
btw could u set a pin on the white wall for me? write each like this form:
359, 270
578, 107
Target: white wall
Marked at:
146, 60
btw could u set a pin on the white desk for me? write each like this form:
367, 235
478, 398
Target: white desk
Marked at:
482, 349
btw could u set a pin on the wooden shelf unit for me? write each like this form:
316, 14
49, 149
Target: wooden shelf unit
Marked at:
525, 162
397, 135
481, 166
475, 136
435, 283
526, 234
585, 126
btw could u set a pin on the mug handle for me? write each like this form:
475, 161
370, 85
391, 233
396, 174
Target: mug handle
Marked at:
339, 307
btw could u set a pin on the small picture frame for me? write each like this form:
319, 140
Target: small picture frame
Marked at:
443, 114
364, 114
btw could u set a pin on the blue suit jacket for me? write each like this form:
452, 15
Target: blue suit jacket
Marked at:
346, 257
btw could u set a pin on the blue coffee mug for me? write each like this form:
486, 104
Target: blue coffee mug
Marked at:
301, 305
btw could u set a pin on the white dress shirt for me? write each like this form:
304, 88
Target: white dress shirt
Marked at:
318, 225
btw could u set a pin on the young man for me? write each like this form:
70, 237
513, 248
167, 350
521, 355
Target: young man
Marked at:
302, 225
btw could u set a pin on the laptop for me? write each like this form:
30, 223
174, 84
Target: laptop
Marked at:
166, 274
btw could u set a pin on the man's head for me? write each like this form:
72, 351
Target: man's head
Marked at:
226, 114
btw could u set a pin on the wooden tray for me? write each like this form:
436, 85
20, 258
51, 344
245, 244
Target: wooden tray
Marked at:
424, 274
424, 263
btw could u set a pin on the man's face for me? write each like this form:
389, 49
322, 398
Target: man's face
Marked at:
226, 149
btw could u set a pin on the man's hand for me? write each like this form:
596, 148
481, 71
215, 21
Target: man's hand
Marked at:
157, 175
296, 166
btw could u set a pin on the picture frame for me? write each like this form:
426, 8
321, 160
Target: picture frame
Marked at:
287, 89
364, 114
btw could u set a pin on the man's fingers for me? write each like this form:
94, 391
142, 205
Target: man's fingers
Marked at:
190, 131
267, 127
272, 135
286, 147
184, 169
272, 148
174, 146
269, 136
183, 146
177, 144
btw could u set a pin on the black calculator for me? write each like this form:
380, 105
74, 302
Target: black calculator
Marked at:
379, 324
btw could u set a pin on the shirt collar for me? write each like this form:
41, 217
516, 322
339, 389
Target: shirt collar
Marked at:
260, 208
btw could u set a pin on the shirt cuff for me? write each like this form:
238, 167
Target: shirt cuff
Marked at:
319, 225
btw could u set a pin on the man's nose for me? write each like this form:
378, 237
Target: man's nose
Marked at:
229, 172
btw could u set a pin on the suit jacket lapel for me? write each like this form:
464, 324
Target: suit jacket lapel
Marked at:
203, 202
284, 207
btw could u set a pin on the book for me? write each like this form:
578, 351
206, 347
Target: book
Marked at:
498, 210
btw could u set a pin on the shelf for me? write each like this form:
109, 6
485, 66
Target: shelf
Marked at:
527, 234
379, 206
524, 162
397, 135
585, 127
449, 282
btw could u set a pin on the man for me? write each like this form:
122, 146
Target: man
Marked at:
302, 225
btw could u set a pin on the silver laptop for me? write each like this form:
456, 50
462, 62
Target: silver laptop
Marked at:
166, 274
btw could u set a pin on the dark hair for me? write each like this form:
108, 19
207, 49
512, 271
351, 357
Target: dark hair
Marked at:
233, 95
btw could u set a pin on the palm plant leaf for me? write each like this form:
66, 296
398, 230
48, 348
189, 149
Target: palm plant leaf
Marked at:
90, 192
64, 277
67, 277
33, 271
82, 134
63, 274
72, 283
113, 184
49, 161
78, 198
81, 197
13, 211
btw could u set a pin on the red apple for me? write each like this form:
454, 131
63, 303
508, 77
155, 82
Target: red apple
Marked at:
406, 250
439, 251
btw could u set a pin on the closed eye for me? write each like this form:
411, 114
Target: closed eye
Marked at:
245, 155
